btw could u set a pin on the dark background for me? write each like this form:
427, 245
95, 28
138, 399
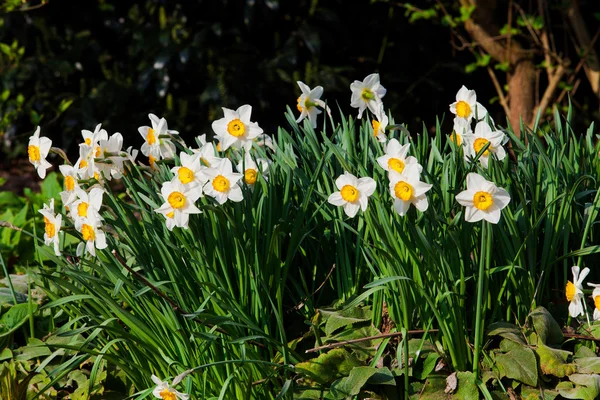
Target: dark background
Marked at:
116, 61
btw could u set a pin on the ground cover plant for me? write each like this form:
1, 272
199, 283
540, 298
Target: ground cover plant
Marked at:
336, 257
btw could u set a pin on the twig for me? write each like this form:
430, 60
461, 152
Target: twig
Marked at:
301, 304
366, 339
552, 85
501, 96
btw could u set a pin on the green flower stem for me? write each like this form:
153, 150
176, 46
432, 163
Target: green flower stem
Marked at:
484, 267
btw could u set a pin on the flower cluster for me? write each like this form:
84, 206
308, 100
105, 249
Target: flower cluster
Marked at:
484, 141
574, 293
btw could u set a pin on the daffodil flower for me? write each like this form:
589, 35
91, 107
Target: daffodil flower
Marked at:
574, 291
93, 138
155, 145
164, 391
380, 123
69, 194
179, 203
86, 164
93, 236
38, 150
190, 171
466, 105
596, 297
353, 193
482, 199
87, 204
207, 154
222, 182
482, 136
235, 128
110, 162
252, 169
406, 188
462, 132
396, 159
367, 93
308, 102
52, 225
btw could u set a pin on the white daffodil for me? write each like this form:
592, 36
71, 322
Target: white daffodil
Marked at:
190, 171
235, 128
466, 105
179, 203
462, 132
87, 205
164, 391
38, 150
52, 225
222, 183
93, 138
308, 102
406, 189
367, 93
131, 154
265, 140
86, 164
574, 291
482, 136
395, 158
69, 194
207, 155
483, 199
252, 169
596, 297
380, 123
93, 236
110, 161
155, 145
353, 193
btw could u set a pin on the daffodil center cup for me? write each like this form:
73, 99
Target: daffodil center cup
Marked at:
350, 193
221, 184
151, 137
463, 109
69, 183
571, 290
151, 161
376, 127
479, 144
83, 164
167, 395
49, 228
82, 209
597, 302
88, 232
176, 200
186, 175
236, 128
396, 164
403, 190
367, 95
250, 176
483, 200
34, 153
170, 214
456, 138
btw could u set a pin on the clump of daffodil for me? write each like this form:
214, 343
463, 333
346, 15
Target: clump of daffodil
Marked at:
38, 150
367, 94
477, 142
353, 193
222, 182
466, 105
482, 199
574, 291
308, 102
164, 391
52, 225
406, 188
235, 128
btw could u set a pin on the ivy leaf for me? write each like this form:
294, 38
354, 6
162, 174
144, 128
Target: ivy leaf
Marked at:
519, 364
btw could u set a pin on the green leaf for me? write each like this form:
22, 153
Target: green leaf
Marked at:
546, 327
553, 362
507, 331
329, 366
587, 387
519, 364
428, 366
14, 318
50, 186
351, 385
467, 386
588, 365
338, 319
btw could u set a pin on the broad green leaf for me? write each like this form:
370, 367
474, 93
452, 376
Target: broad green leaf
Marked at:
351, 385
553, 362
546, 327
588, 365
467, 386
507, 331
531, 393
587, 387
339, 319
329, 366
364, 349
519, 364
427, 367
14, 318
